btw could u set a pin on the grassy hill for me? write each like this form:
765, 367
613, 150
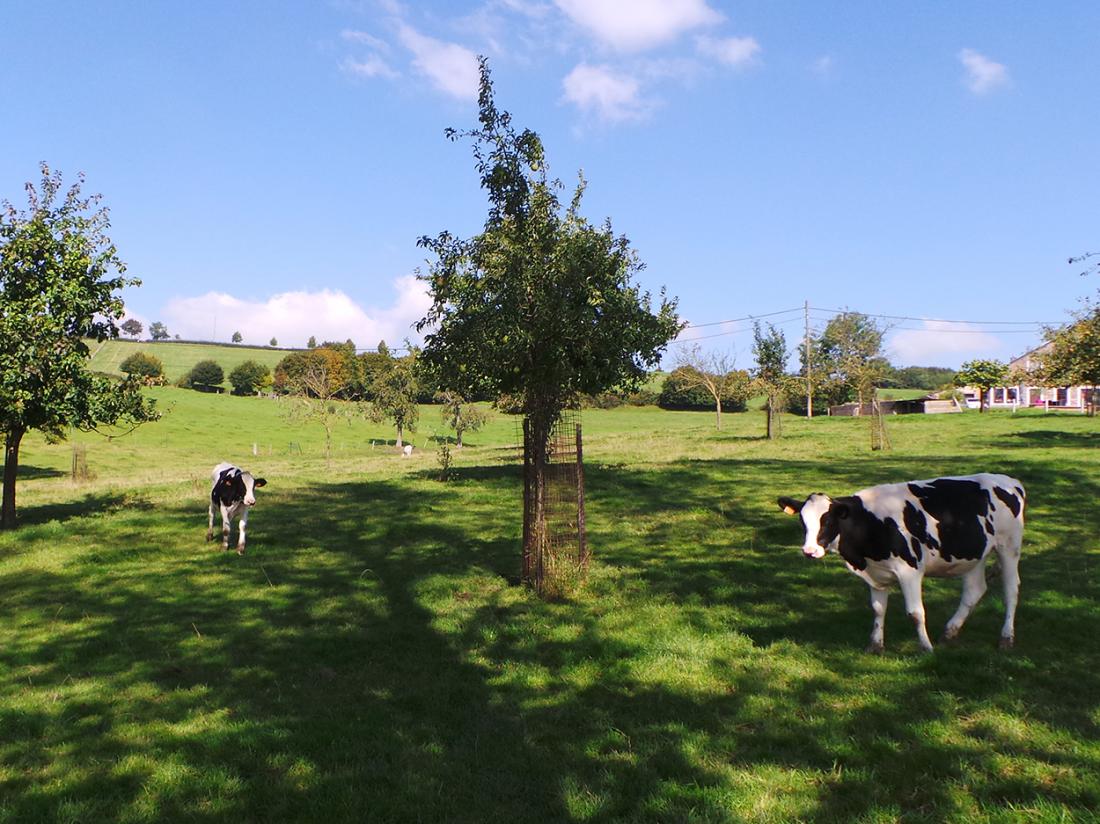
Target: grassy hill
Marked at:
178, 357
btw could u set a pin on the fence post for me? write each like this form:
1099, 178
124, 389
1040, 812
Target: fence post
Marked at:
582, 541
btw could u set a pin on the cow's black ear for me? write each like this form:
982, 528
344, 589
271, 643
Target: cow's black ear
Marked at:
840, 510
790, 505
260, 482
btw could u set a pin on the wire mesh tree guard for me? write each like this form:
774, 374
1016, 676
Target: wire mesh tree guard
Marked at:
555, 547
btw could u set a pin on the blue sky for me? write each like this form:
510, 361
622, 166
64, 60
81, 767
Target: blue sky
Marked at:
270, 165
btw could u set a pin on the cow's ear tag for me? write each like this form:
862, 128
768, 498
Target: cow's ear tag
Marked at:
790, 510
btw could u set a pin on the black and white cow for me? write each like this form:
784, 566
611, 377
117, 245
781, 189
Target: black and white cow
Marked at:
945, 527
234, 494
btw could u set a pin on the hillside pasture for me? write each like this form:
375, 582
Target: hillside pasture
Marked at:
179, 357
372, 658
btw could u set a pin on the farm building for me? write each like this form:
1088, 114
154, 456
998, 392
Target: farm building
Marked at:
1071, 398
929, 405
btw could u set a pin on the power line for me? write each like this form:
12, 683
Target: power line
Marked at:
944, 320
747, 317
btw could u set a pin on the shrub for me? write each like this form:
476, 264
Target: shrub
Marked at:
249, 378
142, 365
643, 397
206, 373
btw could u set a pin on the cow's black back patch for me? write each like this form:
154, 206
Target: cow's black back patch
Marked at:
865, 537
1009, 499
960, 507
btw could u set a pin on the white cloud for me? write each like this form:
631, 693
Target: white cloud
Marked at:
372, 66
733, 51
942, 343
634, 25
366, 39
982, 74
610, 95
292, 317
450, 67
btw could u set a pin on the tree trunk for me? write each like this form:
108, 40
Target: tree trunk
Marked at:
718, 412
981, 399
458, 437
11, 467
400, 434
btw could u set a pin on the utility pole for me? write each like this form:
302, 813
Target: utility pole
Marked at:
809, 381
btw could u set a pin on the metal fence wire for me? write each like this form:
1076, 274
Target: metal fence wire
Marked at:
563, 550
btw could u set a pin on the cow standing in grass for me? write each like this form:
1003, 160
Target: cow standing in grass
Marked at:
945, 527
234, 494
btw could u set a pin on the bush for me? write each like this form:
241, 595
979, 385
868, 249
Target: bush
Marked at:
677, 393
206, 373
643, 397
249, 378
143, 366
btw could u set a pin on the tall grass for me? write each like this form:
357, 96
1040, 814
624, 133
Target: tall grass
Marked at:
372, 658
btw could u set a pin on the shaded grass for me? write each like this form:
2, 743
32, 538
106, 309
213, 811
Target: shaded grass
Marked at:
369, 659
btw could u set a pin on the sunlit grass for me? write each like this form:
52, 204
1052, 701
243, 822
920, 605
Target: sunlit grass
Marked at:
372, 658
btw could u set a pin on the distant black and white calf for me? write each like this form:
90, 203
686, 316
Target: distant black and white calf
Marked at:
901, 532
234, 494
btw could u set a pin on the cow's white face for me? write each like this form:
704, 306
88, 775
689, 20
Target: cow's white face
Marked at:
250, 485
820, 523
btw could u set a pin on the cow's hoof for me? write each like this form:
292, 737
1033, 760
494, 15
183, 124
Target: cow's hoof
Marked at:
875, 649
926, 650
1007, 642
210, 536
949, 635
225, 548
240, 552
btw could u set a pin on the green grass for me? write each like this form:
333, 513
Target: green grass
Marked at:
371, 657
178, 358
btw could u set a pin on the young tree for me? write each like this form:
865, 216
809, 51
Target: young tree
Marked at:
540, 305
237, 337
460, 415
158, 331
59, 278
311, 343
770, 374
393, 392
983, 374
132, 327
317, 387
714, 373
273, 342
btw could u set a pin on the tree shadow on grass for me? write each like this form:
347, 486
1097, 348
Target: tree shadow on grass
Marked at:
89, 504
29, 472
365, 660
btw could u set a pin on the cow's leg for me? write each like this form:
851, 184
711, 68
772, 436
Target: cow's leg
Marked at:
226, 522
878, 607
973, 589
914, 605
1010, 573
210, 523
241, 524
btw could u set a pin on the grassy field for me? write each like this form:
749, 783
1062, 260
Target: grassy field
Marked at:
178, 358
371, 657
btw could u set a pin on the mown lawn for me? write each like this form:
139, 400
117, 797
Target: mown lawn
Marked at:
372, 658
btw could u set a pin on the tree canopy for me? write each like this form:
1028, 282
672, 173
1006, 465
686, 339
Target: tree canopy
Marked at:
983, 374
60, 275
541, 304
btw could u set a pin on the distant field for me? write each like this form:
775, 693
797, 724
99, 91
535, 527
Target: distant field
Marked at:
371, 657
178, 357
